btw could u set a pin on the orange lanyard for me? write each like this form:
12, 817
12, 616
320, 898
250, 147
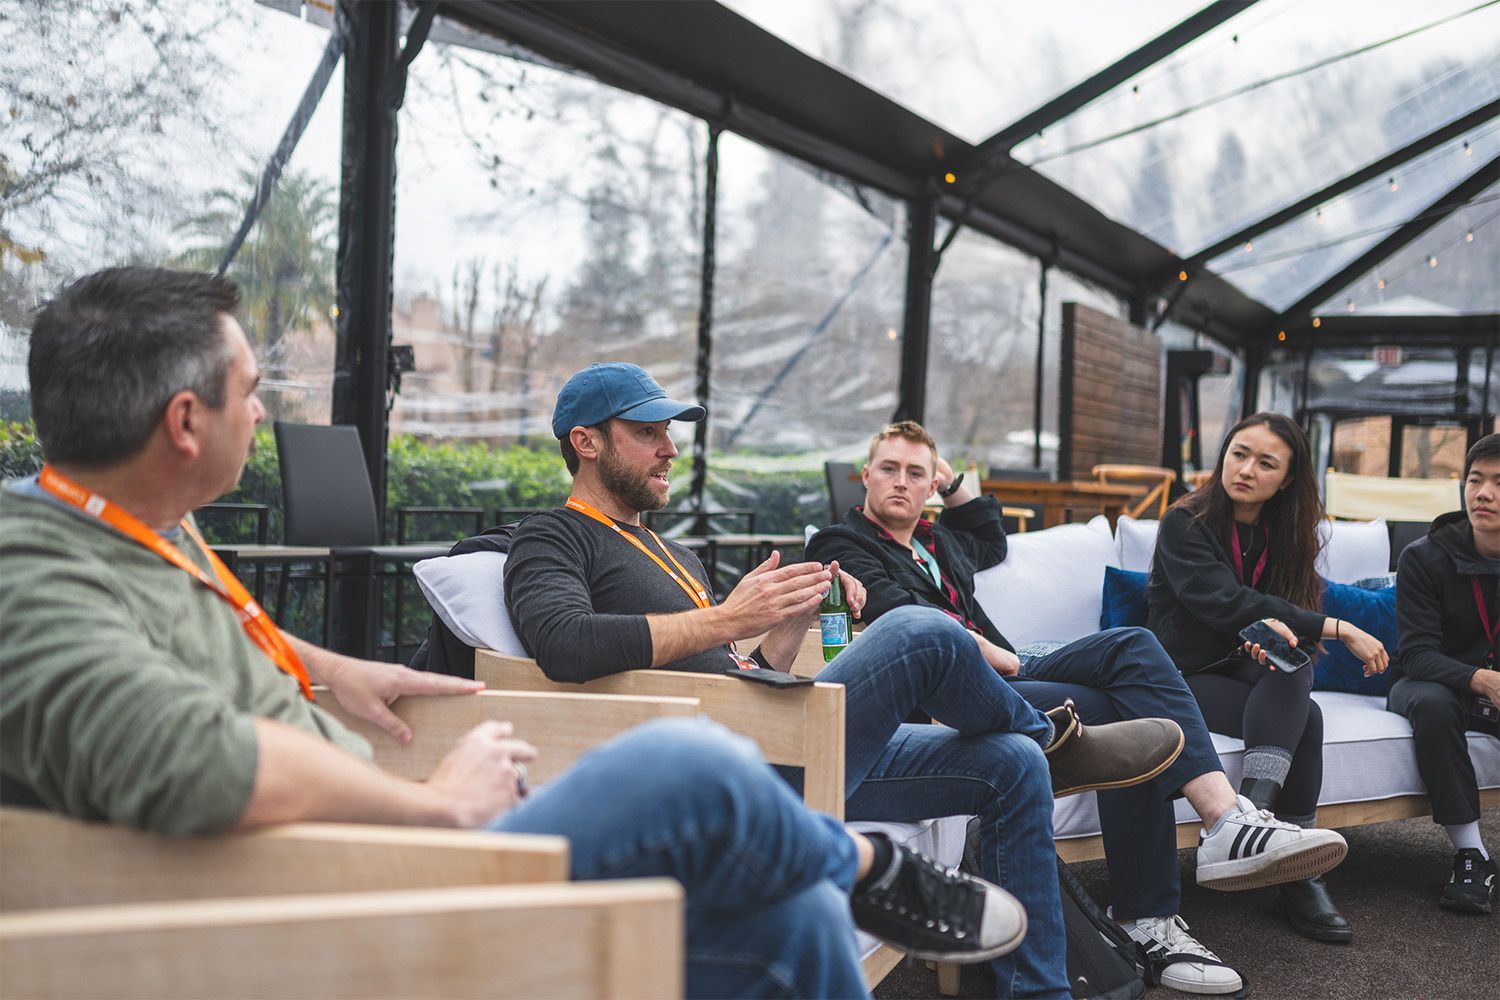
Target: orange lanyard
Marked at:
256, 623
689, 585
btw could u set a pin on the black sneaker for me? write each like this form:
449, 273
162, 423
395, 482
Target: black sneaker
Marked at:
942, 916
1471, 887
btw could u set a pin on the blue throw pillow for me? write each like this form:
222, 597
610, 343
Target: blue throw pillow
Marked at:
1124, 598
1374, 611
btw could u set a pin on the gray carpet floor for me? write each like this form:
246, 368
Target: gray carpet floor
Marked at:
1404, 945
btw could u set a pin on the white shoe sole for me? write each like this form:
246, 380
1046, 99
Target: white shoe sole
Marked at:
1288, 863
1171, 982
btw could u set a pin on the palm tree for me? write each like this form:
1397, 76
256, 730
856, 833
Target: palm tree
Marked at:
285, 268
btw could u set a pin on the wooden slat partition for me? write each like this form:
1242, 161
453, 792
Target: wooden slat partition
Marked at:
52, 861
1110, 404
563, 725
802, 726
601, 939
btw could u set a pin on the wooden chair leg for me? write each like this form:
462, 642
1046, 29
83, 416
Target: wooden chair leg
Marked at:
948, 976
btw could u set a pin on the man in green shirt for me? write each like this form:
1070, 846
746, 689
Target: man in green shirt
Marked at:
139, 683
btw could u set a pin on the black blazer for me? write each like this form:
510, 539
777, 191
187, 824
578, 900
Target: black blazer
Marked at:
967, 539
1197, 602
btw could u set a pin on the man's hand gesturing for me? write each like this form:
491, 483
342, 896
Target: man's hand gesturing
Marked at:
771, 594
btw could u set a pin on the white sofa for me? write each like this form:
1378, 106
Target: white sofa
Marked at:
1050, 589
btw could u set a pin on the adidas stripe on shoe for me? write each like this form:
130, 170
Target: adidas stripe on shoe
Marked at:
1251, 848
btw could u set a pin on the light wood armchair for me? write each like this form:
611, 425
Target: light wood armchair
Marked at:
798, 727
562, 724
1158, 482
603, 939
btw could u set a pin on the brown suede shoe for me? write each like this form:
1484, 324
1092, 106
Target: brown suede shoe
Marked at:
1117, 755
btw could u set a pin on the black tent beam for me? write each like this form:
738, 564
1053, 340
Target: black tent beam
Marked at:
1430, 216
921, 261
1354, 330
1105, 80
1385, 164
366, 232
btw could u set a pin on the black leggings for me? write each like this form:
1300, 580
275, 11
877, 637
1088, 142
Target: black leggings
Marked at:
1266, 707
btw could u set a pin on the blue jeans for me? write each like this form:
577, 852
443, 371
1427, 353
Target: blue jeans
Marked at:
985, 760
767, 881
1123, 673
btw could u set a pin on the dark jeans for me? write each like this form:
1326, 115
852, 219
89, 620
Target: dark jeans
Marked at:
1118, 674
1266, 707
1439, 716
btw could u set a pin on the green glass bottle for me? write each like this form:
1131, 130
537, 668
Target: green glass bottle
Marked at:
835, 621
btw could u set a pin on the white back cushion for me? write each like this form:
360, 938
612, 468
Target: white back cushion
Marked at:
1137, 543
468, 593
1353, 550
1050, 586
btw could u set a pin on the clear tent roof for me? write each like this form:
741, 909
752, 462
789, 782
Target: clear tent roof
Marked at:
1277, 102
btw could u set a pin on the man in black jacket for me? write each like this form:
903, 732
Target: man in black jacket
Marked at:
1118, 674
1445, 679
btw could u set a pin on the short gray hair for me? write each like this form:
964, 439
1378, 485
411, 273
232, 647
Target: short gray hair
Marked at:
114, 347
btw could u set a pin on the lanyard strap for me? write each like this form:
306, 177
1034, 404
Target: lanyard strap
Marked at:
685, 580
1239, 559
253, 618
1491, 629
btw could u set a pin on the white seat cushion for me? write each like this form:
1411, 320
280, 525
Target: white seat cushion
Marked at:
1367, 756
468, 593
1050, 586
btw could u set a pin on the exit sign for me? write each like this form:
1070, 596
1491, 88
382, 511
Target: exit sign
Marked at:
1388, 357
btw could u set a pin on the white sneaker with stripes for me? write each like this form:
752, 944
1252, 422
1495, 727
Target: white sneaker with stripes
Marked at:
1178, 961
1252, 848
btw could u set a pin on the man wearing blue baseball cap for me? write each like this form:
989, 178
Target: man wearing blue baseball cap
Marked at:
593, 592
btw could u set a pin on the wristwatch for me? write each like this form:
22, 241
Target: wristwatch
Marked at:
952, 487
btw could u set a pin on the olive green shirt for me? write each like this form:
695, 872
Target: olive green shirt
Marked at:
127, 687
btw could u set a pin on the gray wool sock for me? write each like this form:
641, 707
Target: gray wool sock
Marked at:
1267, 763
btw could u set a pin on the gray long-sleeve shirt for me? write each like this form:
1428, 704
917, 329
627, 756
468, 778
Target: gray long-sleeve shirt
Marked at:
579, 595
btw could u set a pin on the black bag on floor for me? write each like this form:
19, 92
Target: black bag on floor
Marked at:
1103, 962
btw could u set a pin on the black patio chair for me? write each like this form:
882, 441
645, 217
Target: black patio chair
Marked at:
327, 501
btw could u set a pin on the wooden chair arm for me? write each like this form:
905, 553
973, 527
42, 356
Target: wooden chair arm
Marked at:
51, 861
561, 725
600, 939
800, 727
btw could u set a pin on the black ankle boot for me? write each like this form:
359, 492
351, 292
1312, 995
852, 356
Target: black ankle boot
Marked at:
1260, 791
1311, 912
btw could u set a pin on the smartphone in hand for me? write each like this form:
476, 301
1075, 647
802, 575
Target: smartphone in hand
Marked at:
1281, 654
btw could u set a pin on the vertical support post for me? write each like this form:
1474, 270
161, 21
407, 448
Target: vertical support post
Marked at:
921, 266
1255, 362
706, 322
1489, 366
1041, 348
366, 235
1305, 411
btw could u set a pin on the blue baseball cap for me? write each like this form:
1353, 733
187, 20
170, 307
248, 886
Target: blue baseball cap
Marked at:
616, 389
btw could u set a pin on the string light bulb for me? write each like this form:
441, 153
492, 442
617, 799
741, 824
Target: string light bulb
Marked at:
1041, 139
1432, 261
1394, 185
1317, 322
1380, 284
1468, 149
1136, 90
1181, 275
950, 177
1280, 334
1469, 236
1351, 305
1249, 246
1320, 215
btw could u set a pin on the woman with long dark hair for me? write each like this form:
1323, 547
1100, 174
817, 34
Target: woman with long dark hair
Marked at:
1240, 549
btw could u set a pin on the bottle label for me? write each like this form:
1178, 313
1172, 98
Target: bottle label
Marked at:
835, 628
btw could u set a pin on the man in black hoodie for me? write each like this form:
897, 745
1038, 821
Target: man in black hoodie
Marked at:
1445, 678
